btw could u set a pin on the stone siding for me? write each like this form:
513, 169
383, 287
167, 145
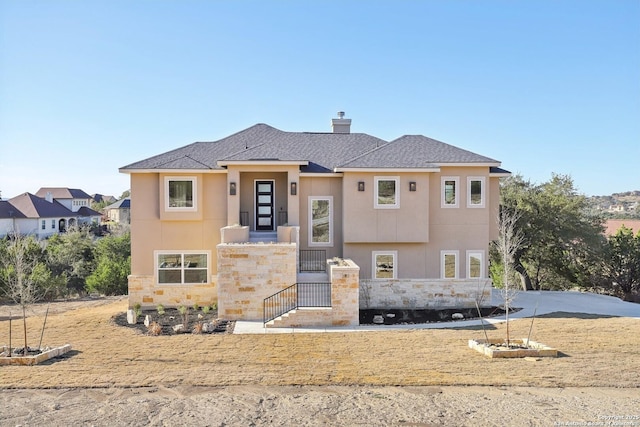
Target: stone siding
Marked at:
144, 291
424, 293
249, 273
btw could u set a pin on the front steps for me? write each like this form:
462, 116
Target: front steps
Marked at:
263, 237
302, 317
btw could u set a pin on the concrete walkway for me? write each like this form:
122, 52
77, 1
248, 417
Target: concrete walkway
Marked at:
540, 302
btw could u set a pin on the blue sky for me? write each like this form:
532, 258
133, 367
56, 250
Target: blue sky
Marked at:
543, 86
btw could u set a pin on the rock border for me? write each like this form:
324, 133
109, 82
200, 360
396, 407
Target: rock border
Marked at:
493, 348
38, 358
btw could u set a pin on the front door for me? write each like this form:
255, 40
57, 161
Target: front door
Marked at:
264, 205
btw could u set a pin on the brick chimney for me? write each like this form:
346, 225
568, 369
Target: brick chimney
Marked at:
341, 125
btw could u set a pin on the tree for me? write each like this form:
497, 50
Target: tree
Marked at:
24, 274
621, 264
70, 257
509, 242
113, 256
559, 236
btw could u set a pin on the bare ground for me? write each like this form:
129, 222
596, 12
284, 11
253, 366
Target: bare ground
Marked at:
117, 376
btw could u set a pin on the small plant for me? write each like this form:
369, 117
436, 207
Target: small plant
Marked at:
206, 309
196, 307
160, 309
137, 309
214, 306
197, 328
154, 328
184, 312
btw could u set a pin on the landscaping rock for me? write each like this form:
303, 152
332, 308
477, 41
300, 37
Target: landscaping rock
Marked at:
132, 319
147, 320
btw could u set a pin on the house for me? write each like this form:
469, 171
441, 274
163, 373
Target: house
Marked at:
119, 211
41, 216
248, 219
613, 225
99, 198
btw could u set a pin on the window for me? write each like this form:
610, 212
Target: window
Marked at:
53, 223
180, 193
475, 192
450, 186
384, 265
44, 224
449, 264
475, 265
386, 192
321, 221
183, 268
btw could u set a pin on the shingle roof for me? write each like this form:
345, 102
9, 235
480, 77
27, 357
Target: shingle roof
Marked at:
7, 210
63, 193
85, 211
324, 152
33, 206
120, 204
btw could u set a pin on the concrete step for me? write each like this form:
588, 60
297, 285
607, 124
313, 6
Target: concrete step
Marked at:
263, 236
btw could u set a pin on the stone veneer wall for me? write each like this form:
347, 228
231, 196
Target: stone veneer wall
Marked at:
425, 293
144, 291
249, 273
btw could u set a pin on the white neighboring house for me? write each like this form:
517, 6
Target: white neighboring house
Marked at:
43, 216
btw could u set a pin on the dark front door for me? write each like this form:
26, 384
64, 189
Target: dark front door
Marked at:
264, 205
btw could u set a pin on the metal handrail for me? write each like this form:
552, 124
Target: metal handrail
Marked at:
296, 296
312, 260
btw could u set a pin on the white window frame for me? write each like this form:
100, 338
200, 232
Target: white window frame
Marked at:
456, 202
443, 255
330, 200
477, 254
53, 224
182, 253
194, 188
394, 255
376, 180
44, 224
482, 191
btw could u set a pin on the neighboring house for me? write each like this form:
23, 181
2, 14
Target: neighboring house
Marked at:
42, 217
119, 211
99, 198
613, 225
240, 219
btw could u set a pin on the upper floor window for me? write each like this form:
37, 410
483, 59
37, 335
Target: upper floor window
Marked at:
44, 224
450, 185
387, 195
321, 221
449, 264
182, 267
180, 193
384, 265
475, 192
475, 264
53, 223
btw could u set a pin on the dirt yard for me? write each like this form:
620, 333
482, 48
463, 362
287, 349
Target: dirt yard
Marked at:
117, 376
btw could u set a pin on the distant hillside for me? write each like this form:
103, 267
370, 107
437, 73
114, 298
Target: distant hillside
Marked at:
618, 205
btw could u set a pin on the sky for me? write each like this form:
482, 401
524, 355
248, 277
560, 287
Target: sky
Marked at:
542, 86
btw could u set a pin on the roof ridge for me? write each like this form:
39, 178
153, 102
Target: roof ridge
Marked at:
367, 152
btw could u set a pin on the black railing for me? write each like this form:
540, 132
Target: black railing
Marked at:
312, 260
296, 296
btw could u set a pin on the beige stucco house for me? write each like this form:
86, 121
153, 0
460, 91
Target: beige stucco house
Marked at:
238, 220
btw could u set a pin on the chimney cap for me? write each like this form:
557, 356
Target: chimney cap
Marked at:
341, 114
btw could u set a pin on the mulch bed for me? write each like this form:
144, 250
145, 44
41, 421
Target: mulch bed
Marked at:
172, 317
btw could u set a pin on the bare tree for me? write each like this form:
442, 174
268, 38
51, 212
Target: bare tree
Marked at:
23, 274
510, 240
